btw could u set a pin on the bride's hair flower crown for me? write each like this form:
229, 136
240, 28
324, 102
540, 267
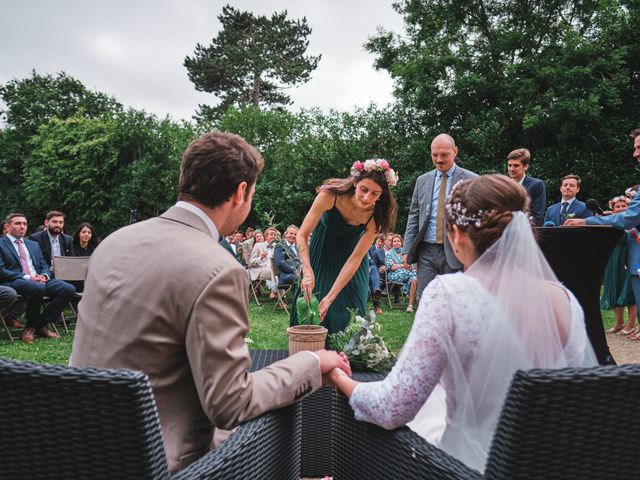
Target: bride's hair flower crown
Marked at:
375, 165
458, 214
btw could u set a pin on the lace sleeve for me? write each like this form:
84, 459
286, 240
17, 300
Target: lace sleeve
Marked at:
395, 401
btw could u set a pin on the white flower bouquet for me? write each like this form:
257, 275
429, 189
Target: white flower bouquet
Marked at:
363, 344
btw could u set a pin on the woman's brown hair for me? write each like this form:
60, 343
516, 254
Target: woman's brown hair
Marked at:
385, 209
490, 199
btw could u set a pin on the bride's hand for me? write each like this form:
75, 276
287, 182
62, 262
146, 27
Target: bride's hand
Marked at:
307, 284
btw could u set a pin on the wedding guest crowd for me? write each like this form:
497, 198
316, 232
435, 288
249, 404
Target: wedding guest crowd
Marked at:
26, 269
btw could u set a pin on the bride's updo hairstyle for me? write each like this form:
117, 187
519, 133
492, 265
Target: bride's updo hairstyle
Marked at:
482, 208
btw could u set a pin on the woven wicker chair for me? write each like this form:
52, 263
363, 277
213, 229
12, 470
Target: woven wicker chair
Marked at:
60, 422
555, 424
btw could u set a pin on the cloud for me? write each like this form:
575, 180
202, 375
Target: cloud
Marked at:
134, 50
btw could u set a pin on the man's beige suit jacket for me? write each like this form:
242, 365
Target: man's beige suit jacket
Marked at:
162, 296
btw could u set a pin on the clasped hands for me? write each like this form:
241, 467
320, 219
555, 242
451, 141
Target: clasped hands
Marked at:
331, 363
38, 278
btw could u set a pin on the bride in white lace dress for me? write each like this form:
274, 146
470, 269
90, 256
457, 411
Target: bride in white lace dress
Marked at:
473, 330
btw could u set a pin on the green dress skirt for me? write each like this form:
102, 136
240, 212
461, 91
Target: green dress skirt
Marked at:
332, 242
617, 290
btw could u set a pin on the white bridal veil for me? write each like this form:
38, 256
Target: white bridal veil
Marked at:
529, 327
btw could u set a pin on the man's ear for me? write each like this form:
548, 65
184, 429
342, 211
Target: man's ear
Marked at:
240, 193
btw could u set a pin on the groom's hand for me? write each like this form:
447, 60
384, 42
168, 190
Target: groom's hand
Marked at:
330, 360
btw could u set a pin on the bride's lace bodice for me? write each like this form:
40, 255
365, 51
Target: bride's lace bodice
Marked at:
455, 308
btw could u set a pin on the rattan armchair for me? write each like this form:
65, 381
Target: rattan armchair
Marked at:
555, 424
59, 422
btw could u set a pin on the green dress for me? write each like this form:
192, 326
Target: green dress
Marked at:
617, 290
332, 242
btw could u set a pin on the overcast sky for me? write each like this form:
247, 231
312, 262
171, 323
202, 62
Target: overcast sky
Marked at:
134, 49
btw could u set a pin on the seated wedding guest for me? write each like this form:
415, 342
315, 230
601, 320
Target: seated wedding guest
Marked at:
260, 260
179, 311
85, 240
398, 273
23, 268
286, 257
617, 292
569, 206
474, 330
7, 297
236, 246
377, 267
52, 240
247, 245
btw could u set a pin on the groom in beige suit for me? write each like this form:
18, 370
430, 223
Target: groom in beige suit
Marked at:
162, 296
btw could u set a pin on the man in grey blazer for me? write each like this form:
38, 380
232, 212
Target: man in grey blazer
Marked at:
162, 296
425, 239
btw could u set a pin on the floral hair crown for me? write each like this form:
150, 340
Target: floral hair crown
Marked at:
632, 191
458, 214
375, 165
618, 199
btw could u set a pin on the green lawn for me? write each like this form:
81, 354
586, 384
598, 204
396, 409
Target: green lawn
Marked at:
268, 331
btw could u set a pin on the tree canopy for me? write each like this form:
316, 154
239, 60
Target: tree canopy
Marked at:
557, 76
251, 60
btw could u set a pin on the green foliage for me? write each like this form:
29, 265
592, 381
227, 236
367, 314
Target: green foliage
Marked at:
303, 149
558, 76
99, 169
251, 60
29, 103
307, 311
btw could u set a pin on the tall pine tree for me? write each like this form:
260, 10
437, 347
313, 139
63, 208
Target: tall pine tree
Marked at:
251, 60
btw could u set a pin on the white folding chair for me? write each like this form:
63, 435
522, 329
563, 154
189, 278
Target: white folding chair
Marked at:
70, 269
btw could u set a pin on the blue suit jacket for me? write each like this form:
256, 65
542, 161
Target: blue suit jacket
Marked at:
577, 208
538, 195
377, 256
10, 268
286, 261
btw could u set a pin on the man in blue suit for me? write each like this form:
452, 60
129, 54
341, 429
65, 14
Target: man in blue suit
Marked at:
286, 257
570, 206
23, 268
517, 164
626, 220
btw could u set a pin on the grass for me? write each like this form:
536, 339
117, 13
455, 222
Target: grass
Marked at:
268, 331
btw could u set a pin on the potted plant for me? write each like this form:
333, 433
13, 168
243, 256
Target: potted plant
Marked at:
308, 334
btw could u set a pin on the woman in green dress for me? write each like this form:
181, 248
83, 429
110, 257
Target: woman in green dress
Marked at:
617, 293
343, 222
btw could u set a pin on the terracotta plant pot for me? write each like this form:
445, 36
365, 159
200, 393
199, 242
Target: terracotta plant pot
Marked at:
306, 337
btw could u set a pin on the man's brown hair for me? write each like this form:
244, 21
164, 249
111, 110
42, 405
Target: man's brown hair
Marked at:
11, 216
521, 154
214, 165
572, 176
54, 213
